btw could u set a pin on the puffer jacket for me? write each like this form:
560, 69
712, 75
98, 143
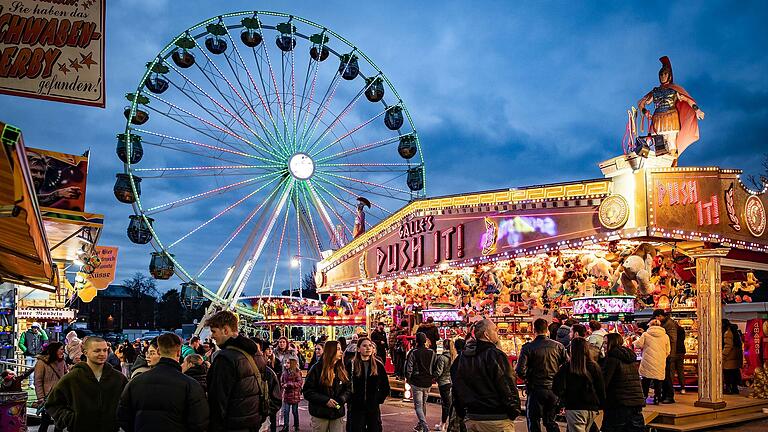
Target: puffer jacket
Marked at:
198, 373
163, 399
291, 382
443, 369
367, 391
539, 361
656, 348
318, 395
622, 380
47, 375
484, 384
233, 390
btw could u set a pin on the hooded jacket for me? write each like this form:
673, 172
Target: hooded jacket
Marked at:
81, 403
163, 399
656, 348
139, 366
579, 392
198, 373
484, 384
564, 335
318, 395
539, 361
433, 334
419, 364
233, 390
622, 380
443, 369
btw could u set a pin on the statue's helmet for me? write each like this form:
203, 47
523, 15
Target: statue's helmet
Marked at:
666, 66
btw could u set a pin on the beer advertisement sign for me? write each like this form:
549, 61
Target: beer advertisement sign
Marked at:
53, 50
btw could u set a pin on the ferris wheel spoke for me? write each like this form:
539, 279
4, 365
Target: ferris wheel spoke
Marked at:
210, 167
364, 167
359, 149
309, 100
274, 81
247, 105
235, 116
367, 183
340, 218
207, 194
276, 127
356, 192
255, 86
221, 213
325, 217
305, 209
304, 98
238, 230
293, 98
348, 133
164, 137
279, 252
338, 118
322, 108
224, 130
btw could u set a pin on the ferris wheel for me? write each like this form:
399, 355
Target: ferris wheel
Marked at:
249, 143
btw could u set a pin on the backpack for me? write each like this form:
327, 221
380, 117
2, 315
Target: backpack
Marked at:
265, 404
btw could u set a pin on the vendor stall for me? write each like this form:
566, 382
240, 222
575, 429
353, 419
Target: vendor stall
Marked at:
665, 236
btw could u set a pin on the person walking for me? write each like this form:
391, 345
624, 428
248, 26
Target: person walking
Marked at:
379, 337
369, 388
292, 382
419, 364
579, 384
31, 345
537, 365
733, 357
484, 383
49, 369
237, 391
624, 400
163, 398
398, 348
327, 389
655, 346
194, 367
443, 377
430, 329
86, 398
671, 328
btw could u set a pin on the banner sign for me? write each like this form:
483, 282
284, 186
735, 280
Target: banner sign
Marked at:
45, 314
53, 50
59, 179
104, 273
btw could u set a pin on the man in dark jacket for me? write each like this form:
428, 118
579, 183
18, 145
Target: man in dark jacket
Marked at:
234, 390
419, 365
86, 398
430, 329
379, 337
194, 367
163, 398
484, 384
670, 327
537, 364
397, 349
624, 399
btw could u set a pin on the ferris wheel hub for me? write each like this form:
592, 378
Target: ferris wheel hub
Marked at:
301, 166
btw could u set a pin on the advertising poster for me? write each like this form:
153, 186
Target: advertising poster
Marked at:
59, 178
104, 274
53, 50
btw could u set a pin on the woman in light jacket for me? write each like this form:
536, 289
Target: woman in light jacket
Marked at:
655, 346
49, 369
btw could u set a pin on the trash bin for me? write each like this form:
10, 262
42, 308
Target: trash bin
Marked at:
13, 412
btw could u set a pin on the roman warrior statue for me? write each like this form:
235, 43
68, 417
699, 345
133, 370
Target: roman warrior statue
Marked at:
359, 228
675, 115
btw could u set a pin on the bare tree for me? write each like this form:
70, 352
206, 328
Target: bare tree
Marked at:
758, 182
140, 284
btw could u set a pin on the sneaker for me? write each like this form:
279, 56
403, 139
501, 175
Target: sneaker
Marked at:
682, 391
417, 428
439, 427
668, 401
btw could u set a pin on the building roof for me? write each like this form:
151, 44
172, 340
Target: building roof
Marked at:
117, 291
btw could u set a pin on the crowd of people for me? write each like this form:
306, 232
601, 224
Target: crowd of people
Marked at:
236, 383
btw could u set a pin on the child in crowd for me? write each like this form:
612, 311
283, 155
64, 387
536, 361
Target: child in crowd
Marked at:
292, 382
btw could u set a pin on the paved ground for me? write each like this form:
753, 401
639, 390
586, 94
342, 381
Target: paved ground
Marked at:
399, 417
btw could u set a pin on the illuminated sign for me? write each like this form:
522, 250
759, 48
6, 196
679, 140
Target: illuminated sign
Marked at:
754, 214
442, 315
514, 229
491, 234
409, 252
683, 193
604, 305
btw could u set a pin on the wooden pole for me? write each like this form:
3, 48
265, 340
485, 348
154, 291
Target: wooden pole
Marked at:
709, 314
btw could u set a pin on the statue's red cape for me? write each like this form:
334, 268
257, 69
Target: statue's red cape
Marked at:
689, 124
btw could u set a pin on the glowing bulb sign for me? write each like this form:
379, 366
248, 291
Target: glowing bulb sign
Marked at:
514, 229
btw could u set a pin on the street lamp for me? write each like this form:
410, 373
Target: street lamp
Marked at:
296, 260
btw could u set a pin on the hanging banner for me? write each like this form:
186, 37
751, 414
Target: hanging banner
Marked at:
59, 178
105, 272
53, 50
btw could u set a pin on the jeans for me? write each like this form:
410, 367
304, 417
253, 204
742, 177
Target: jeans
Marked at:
420, 395
580, 420
490, 425
30, 361
287, 408
623, 419
326, 425
657, 384
445, 402
541, 406
273, 422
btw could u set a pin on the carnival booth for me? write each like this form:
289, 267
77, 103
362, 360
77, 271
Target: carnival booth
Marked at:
653, 236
